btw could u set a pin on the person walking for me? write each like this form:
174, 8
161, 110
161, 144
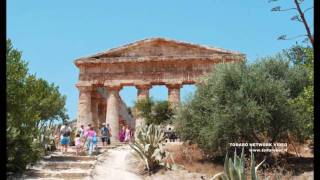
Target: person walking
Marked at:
105, 134
89, 139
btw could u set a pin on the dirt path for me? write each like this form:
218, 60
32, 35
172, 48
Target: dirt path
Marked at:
116, 164
119, 164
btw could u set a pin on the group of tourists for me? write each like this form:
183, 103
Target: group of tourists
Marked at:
86, 139
125, 134
170, 134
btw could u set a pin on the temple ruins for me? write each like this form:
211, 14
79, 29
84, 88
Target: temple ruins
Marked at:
155, 61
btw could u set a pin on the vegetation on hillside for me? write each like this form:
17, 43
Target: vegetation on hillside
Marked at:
32, 105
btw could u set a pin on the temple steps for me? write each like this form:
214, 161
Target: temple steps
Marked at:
61, 173
72, 158
60, 165
67, 165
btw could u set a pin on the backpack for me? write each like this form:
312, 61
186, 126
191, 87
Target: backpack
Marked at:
94, 139
105, 131
68, 131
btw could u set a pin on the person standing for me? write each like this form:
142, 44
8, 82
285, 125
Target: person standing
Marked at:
105, 134
127, 134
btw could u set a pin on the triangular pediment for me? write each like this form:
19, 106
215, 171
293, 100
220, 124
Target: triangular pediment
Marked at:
161, 47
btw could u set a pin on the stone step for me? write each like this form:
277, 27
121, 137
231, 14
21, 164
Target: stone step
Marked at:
46, 178
70, 158
65, 174
60, 165
67, 165
72, 152
101, 146
98, 149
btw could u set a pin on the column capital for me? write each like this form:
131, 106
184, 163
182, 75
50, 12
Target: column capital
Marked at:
113, 88
143, 86
174, 86
85, 88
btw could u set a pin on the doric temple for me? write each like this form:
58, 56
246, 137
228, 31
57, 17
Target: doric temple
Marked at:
155, 61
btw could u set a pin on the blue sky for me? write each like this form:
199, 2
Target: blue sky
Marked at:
52, 34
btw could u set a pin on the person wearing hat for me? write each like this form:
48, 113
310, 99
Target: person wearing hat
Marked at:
104, 134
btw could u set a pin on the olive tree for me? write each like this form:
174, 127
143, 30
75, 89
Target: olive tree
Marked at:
241, 102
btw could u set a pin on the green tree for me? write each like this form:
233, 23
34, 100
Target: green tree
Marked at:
304, 103
32, 104
143, 108
242, 103
154, 112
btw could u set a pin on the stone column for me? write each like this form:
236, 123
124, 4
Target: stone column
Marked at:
143, 93
173, 94
102, 110
84, 106
112, 114
95, 110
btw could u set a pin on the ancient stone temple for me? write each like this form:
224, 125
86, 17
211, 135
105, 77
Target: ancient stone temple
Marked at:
155, 61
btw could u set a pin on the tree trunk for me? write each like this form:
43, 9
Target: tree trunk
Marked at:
304, 22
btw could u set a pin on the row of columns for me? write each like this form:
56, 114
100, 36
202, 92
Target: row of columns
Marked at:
88, 107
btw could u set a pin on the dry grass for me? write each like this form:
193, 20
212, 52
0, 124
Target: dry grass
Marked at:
303, 150
190, 158
288, 165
